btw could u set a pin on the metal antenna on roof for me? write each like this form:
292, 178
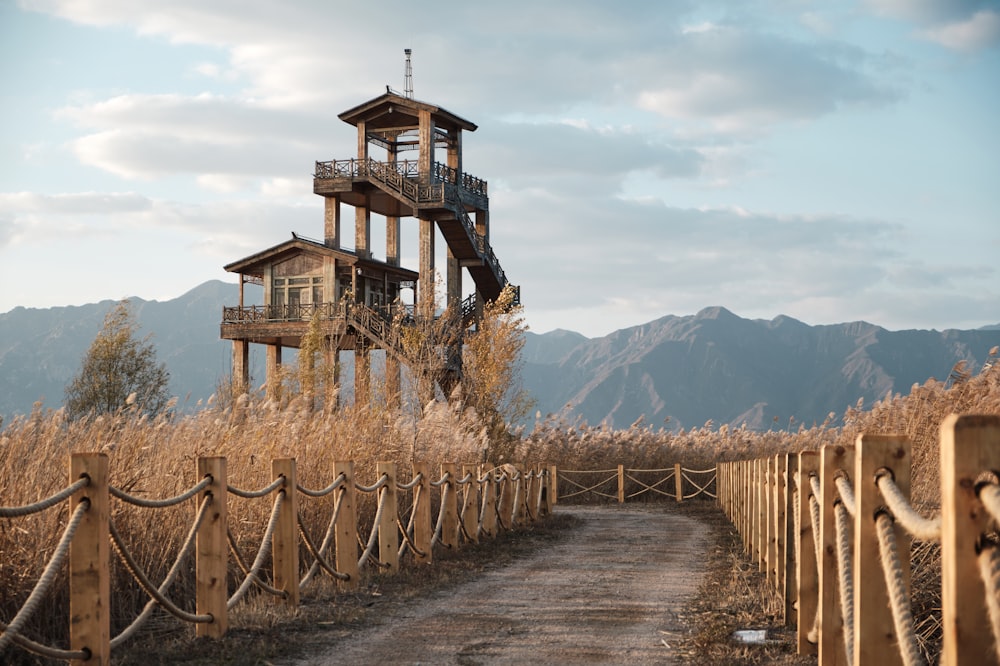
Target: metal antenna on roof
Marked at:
408, 76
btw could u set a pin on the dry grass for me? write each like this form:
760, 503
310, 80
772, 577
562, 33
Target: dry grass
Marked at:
157, 458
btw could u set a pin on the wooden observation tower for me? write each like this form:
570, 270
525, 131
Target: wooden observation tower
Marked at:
355, 295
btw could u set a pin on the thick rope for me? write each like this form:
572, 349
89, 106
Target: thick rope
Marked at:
327, 540
160, 503
846, 491
408, 532
698, 471
414, 482
989, 495
442, 480
245, 568
899, 596
989, 570
813, 635
924, 529
382, 482
256, 494
439, 528
373, 537
48, 502
846, 575
484, 504
319, 559
48, 575
189, 541
156, 594
265, 545
45, 650
338, 482
700, 489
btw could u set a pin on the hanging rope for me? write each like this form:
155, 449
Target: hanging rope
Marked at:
365, 556
161, 503
842, 521
48, 502
899, 596
338, 482
327, 541
846, 492
319, 558
257, 494
924, 529
48, 575
989, 569
253, 575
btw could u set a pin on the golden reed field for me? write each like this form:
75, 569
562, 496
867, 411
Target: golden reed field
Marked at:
156, 458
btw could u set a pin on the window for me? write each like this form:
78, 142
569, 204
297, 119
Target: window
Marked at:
294, 297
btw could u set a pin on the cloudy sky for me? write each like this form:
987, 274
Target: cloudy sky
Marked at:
828, 160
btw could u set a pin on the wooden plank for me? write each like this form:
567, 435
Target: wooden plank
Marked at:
807, 576
388, 531
778, 534
789, 591
875, 639
621, 484
346, 528
970, 445
832, 651
449, 497
423, 529
489, 511
89, 562
212, 550
470, 502
285, 542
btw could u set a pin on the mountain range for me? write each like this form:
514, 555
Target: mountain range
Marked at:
678, 371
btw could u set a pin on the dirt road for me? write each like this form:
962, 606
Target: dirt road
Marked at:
607, 594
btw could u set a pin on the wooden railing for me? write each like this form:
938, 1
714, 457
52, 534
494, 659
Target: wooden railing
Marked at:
623, 483
475, 502
832, 530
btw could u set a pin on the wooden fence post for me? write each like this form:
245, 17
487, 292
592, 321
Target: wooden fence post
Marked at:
449, 492
489, 516
89, 562
530, 487
470, 503
761, 497
621, 484
285, 542
875, 639
553, 485
347, 528
777, 567
548, 488
423, 530
212, 550
832, 651
505, 489
807, 576
770, 521
970, 445
678, 482
789, 590
388, 532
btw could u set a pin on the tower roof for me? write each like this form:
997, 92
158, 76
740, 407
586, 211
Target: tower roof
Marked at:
395, 111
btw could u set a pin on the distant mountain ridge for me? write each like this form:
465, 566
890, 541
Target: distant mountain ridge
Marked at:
711, 365
717, 366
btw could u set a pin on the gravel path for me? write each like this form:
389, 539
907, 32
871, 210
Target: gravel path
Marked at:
607, 594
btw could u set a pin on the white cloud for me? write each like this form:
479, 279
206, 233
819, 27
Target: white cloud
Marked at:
979, 31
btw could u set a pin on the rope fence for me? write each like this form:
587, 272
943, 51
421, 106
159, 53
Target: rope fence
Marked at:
833, 531
478, 503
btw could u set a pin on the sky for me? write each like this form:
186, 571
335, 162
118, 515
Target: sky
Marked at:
831, 161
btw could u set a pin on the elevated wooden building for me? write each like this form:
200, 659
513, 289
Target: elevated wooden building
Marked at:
355, 295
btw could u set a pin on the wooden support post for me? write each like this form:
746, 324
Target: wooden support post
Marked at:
489, 509
423, 530
449, 497
285, 542
470, 503
678, 482
505, 490
789, 591
770, 522
832, 651
212, 550
761, 535
807, 576
388, 532
621, 484
347, 528
970, 445
875, 639
777, 570
553, 485
89, 562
